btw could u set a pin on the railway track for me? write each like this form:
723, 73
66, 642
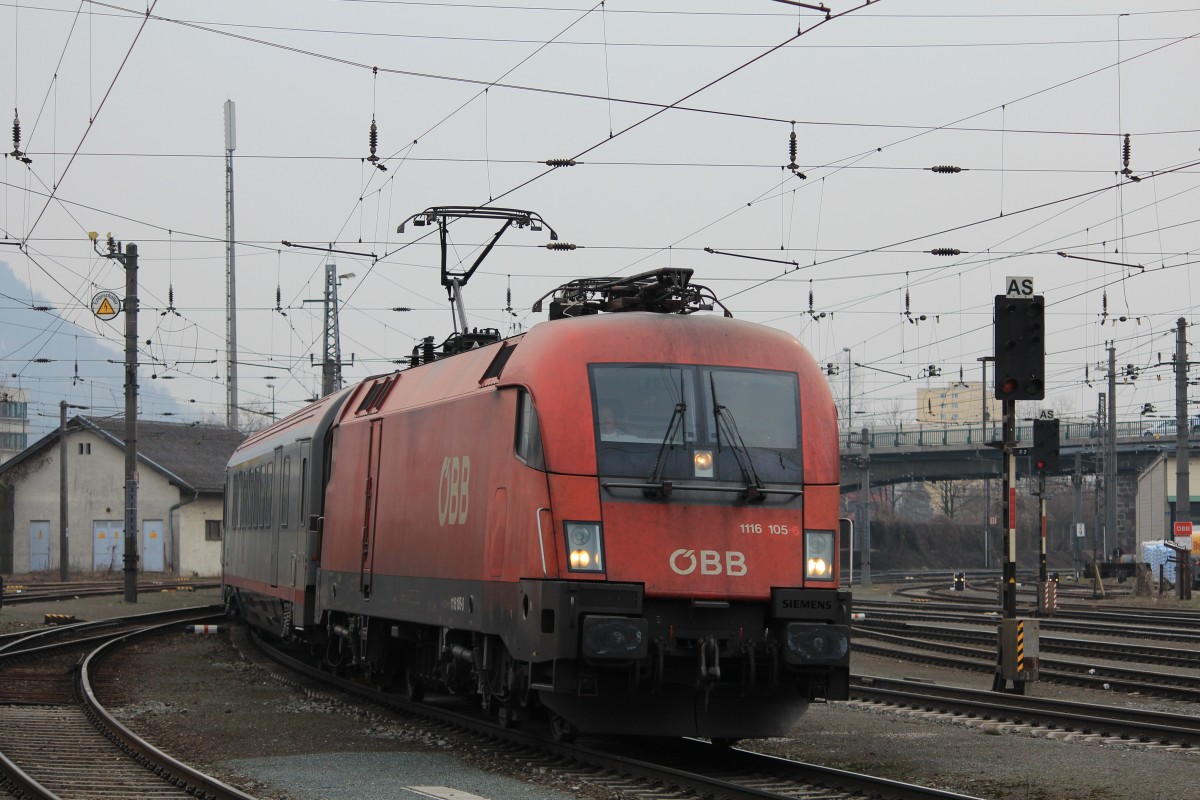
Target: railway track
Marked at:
57, 742
668, 768
17, 593
1082, 719
1091, 675
1175, 626
1089, 649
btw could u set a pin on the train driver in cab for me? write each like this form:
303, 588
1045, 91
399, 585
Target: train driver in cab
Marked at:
610, 419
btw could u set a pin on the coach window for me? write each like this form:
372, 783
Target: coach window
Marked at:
285, 491
269, 491
260, 496
303, 491
528, 444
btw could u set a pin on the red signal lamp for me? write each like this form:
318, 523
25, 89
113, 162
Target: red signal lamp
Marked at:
1009, 386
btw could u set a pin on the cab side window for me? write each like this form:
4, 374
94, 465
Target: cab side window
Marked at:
528, 444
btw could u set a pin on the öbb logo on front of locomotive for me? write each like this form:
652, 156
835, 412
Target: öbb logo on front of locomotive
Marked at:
684, 562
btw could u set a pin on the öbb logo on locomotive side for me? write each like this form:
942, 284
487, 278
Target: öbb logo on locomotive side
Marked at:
684, 562
452, 490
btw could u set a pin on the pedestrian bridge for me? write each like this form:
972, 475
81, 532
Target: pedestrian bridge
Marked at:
915, 453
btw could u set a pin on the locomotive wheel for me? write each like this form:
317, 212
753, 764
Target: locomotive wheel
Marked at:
562, 731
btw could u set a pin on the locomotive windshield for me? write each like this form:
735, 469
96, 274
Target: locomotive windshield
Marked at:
654, 419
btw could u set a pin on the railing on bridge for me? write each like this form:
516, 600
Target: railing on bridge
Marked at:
918, 436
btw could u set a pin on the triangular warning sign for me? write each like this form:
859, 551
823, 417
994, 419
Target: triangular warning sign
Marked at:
105, 307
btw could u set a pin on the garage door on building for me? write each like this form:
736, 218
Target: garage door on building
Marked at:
108, 550
39, 545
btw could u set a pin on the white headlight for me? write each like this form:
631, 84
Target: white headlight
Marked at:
585, 546
818, 555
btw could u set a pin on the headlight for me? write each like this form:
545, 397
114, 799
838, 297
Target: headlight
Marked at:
585, 546
818, 555
703, 462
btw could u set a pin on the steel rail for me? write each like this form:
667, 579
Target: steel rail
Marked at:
660, 762
41, 715
1096, 676
1086, 718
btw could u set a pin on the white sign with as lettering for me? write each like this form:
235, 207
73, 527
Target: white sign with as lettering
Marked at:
1018, 286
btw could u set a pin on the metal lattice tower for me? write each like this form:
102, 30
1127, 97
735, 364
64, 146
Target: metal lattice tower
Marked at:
331, 365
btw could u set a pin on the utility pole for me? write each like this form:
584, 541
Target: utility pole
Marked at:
131, 395
64, 524
128, 260
1110, 455
1077, 511
864, 513
231, 351
331, 359
331, 366
987, 479
1183, 488
1099, 532
849, 390
63, 520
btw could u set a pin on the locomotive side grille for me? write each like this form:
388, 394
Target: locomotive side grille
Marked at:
376, 395
497, 366
610, 597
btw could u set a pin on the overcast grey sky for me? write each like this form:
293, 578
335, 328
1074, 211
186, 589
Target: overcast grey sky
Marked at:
122, 115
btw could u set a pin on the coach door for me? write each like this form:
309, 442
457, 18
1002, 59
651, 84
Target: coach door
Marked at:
371, 498
274, 469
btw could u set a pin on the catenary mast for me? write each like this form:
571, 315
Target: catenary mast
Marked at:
231, 400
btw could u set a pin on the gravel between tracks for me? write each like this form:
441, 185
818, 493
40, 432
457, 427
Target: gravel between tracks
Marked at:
212, 705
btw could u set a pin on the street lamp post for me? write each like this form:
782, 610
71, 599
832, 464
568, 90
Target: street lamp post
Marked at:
987, 481
849, 389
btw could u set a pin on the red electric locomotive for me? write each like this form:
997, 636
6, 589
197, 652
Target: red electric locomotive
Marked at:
628, 520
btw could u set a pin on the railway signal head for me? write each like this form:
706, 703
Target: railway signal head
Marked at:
1045, 445
1020, 348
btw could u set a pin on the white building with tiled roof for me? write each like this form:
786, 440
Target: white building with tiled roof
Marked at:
180, 498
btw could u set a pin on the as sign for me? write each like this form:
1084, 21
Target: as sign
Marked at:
1018, 286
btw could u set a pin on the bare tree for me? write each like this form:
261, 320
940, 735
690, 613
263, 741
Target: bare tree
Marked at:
256, 415
1062, 404
951, 496
892, 412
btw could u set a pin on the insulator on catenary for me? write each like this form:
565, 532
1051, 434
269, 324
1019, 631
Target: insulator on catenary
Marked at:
560, 162
560, 246
1125, 151
945, 169
16, 133
793, 166
945, 251
374, 141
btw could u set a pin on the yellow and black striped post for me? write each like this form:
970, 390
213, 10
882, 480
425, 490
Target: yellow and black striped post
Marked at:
1019, 654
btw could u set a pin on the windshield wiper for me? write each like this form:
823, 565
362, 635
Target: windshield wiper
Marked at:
724, 419
662, 488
